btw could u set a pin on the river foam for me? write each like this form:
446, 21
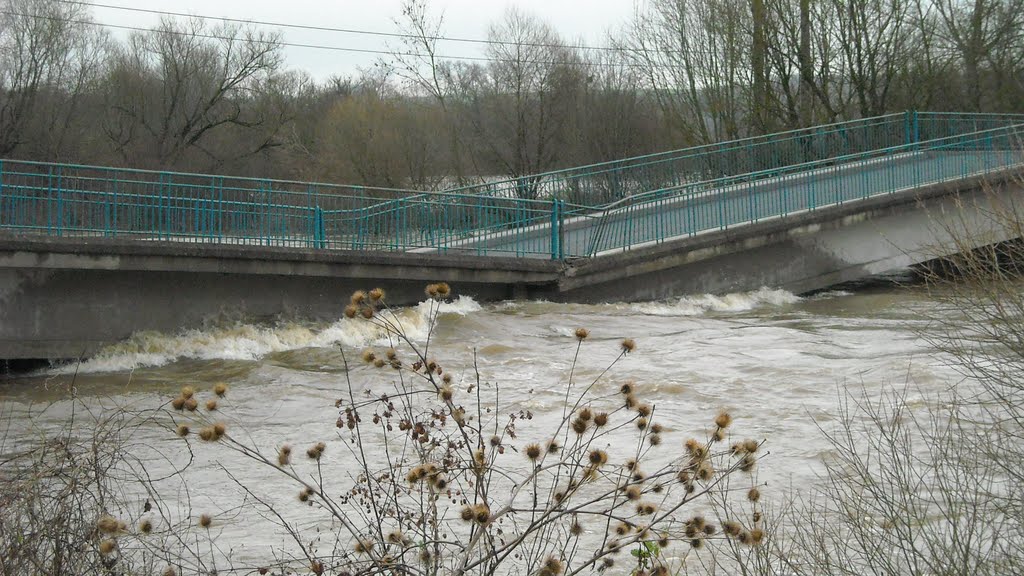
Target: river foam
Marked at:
704, 303
251, 342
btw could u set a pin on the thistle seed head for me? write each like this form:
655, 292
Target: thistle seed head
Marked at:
552, 567
533, 451
732, 528
705, 472
575, 529
316, 451
363, 546
723, 420
108, 524
579, 425
107, 547
358, 297
748, 462
481, 514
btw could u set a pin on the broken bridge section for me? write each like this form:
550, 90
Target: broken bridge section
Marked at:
89, 255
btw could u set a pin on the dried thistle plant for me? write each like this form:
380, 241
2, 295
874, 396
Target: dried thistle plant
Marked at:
444, 481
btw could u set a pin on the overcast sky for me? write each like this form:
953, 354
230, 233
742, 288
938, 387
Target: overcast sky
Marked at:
588, 21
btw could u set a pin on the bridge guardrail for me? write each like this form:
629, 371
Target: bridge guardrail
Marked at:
488, 219
663, 215
80, 200
461, 216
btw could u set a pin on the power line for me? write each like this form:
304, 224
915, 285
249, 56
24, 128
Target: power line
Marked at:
295, 44
341, 30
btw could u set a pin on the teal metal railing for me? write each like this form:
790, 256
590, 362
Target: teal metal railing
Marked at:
76, 200
599, 184
723, 203
577, 212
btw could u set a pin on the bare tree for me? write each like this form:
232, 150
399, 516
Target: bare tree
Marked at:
378, 137
521, 108
695, 56
982, 33
49, 55
875, 37
175, 87
615, 117
416, 61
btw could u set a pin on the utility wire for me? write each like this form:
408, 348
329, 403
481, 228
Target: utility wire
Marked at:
299, 45
342, 30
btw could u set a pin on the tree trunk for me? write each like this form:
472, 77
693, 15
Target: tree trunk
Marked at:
760, 100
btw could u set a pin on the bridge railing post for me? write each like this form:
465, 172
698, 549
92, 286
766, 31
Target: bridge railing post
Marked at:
160, 207
52, 214
911, 129
318, 228
556, 229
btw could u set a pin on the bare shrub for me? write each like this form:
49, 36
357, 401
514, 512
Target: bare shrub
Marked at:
441, 474
91, 497
930, 482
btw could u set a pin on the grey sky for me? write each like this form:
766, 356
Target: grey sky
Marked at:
583, 20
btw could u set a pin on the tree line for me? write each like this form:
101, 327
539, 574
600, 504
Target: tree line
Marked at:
192, 95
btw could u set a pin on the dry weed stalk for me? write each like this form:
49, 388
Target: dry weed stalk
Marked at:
442, 482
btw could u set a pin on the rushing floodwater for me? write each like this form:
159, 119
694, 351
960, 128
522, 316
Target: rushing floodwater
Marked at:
775, 361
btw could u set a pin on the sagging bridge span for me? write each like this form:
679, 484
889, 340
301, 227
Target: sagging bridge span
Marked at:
89, 255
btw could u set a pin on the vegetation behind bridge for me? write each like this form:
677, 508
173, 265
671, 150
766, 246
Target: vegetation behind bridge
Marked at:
208, 96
